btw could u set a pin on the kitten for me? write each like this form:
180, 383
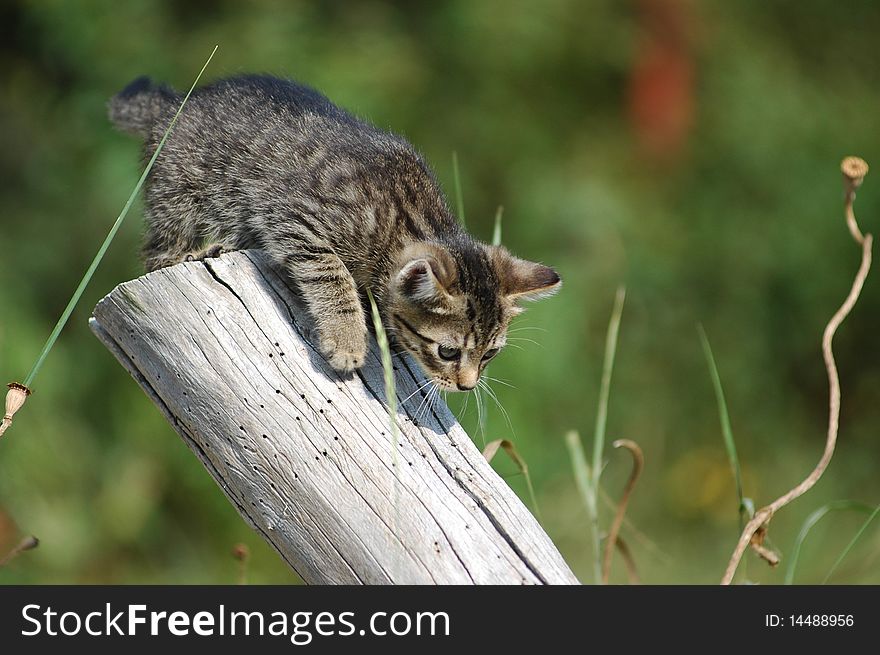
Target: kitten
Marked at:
341, 206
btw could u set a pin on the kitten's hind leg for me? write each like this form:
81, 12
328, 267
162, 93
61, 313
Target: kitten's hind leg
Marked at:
155, 260
331, 295
209, 252
167, 240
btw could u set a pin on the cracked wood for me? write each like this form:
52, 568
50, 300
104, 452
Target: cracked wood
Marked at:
305, 455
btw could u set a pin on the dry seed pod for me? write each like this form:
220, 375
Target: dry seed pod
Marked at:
28, 543
854, 170
15, 398
241, 552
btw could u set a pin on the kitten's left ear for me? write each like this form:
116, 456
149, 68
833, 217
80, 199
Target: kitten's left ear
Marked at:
426, 276
524, 280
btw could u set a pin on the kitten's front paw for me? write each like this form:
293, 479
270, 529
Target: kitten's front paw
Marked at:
345, 350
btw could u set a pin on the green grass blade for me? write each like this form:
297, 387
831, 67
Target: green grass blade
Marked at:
65, 316
496, 232
391, 397
388, 373
605, 386
852, 543
808, 525
601, 421
746, 507
581, 469
584, 480
459, 198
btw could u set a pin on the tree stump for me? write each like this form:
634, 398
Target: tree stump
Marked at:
305, 455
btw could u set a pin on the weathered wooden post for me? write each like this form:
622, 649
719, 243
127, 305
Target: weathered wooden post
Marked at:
305, 455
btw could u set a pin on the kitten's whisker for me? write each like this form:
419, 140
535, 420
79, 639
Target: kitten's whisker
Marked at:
421, 404
467, 399
415, 416
433, 403
428, 404
424, 384
481, 424
509, 339
499, 381
432, 396
525, 327
424, 405
491, 392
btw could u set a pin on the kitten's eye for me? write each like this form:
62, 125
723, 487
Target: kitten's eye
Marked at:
489, 354
449, 354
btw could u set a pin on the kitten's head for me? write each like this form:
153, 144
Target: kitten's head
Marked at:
450, 305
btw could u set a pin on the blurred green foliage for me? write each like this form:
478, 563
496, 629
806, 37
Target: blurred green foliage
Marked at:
689, 150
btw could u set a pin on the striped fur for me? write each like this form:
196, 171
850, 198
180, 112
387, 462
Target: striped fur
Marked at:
341, 206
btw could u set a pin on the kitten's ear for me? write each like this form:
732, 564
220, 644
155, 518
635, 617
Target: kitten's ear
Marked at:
426, 275
524, 280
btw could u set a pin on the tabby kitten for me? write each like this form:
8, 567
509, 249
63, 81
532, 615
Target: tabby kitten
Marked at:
341, 206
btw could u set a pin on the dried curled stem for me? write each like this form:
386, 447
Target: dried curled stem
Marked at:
854, 170
632, 573
613, 539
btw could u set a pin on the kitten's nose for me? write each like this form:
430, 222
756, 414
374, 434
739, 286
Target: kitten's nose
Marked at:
467, 378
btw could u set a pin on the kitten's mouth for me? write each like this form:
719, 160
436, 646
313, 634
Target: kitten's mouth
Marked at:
449, 386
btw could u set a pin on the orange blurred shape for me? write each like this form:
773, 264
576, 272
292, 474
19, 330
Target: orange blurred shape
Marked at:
661, 83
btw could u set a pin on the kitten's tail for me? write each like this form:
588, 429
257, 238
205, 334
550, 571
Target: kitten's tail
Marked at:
138, 107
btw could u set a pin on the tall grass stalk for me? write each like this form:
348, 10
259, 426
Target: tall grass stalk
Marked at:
388, 374
601, 421
581, 469
811, 521
459, 198
746, 506
496, 231
852, 543
391, 399
65, 315
583, 478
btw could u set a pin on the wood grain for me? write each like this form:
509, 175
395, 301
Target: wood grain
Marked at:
306, 456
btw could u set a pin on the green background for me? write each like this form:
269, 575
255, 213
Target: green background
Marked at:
730, 216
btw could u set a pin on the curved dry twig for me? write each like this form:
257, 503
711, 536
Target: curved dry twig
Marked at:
612, 540
854, 170
632, 573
